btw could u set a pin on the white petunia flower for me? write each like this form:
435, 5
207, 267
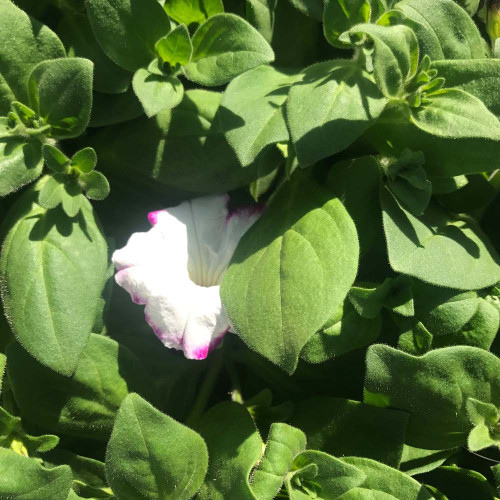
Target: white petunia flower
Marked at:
175, 269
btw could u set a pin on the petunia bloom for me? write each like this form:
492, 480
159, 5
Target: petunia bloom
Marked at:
176, 267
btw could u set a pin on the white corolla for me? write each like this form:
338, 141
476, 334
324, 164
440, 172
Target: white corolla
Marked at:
176, 267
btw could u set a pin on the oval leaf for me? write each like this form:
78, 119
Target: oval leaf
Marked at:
140, 466
53, 270
291, 271
223, 48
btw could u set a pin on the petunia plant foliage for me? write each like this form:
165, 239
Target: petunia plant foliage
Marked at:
250, 249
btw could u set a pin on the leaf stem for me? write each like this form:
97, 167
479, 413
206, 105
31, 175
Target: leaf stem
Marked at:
206, 388
236, 395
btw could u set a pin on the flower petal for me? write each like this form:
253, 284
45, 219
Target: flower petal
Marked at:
188, 317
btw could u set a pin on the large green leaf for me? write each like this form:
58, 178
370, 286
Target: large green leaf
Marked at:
433, 389
223, 48
127, 30
456, 114
25, 42
381, 478
332, 106
86, 403
60, 91
24, 478
183, 149
343, 427
416, 247
234, 447
53, 269
21, 162
192, 11
291, 271
252, 113
443, 29
152, 456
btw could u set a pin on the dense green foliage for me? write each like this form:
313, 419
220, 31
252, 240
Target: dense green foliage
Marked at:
363, 358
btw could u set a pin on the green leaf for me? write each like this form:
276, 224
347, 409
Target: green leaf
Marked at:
394, 294
442, 310
471, 6
60, 91
55, 159
458, 483
25, 42
50, 265
89, 477
95, 185
223, 48
157, 93
262, 14
361, 199
454, 113
192, 11
76, 33
479, 77
21, 162
72, 198
339, 16
283, 445
443, 29
127, 30
416, 247
395, 57
380, 477
318, 475
479, 331
445, 157
252, 112
408, 181
433, 389
176, 47
291, 271
234, 447
24, 477
84, 160
141, 466
343, 333
330, 108
342, 427
418, 460
183, 148
52, 192
86, 403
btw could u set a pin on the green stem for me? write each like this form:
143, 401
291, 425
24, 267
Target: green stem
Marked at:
236, 395
206, 388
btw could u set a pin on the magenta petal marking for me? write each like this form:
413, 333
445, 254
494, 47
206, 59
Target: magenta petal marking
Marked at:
153, 217
200, 352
